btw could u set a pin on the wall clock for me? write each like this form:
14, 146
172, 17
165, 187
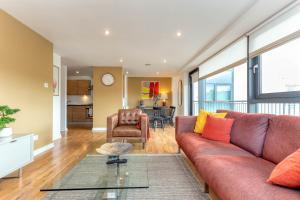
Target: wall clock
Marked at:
108, 79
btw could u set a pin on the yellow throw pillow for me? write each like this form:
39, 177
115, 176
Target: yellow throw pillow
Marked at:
201, 120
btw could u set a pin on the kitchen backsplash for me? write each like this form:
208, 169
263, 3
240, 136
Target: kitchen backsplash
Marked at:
80, 100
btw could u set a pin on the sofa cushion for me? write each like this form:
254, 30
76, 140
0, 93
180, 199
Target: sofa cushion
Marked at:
232, 114
217, 129
202, 117
234, 177
249, 131
287, 172
127, 131
282, 139
129, 116
195, 146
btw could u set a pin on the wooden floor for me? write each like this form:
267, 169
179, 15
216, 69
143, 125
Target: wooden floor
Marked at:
69, 150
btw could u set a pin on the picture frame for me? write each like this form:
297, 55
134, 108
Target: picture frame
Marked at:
180, 97
55, 84
149, 89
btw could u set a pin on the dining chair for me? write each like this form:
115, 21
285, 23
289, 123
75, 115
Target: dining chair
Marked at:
158, 118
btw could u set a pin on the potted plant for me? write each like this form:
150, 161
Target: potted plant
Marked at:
5, 118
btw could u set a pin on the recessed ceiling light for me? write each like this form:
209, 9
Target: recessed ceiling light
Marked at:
77, 72
178, 34
127, 72
165, 60
121, 60
107, 32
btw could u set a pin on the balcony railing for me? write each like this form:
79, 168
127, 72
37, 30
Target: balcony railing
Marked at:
212, 106
242, 106
279, 108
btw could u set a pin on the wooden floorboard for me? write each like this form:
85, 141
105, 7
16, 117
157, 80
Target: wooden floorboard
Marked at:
68, 151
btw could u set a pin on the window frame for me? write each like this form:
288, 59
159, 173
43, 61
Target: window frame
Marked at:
196, 70
256, 67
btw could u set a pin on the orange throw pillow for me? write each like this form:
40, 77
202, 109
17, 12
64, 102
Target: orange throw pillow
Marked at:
217, 129
287, 172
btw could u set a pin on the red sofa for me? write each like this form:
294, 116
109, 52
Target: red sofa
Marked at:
239, 170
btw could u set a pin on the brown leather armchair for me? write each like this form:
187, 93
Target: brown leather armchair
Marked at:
128, 124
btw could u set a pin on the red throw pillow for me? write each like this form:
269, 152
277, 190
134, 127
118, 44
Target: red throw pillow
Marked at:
287, 172
217, 129
138, 125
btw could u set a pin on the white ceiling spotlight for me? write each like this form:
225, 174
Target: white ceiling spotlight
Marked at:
165, 61
77, 72
178, 34
127, 72
107, 32
121, 60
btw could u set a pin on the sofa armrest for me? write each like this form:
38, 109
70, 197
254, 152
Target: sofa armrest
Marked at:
144, 125
112, 122
185, 124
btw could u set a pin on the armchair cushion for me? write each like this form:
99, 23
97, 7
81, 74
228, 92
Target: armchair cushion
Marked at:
127, 131
129, 116
112, 122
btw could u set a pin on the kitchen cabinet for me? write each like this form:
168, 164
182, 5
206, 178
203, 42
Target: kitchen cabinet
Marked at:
78, 113
83, 87
78, 87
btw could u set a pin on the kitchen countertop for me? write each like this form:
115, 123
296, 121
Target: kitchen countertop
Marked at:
80, 104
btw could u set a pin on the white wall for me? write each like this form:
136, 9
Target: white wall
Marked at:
57, 102
63, 100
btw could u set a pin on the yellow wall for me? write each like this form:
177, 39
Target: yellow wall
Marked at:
106, 99
134, 90
25, 64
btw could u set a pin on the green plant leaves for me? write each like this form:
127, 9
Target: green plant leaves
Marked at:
5, 112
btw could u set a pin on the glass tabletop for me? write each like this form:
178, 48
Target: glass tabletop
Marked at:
92, 173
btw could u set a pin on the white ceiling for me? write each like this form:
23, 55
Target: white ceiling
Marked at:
142, 31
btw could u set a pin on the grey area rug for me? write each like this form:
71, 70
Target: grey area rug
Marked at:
169, 177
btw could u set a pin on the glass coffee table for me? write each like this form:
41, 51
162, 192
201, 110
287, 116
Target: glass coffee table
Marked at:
110, 181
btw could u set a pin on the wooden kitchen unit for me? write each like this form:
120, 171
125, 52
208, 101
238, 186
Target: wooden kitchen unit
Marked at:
78, 87
79, 113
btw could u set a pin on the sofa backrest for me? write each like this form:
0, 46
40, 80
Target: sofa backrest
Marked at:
129, 116
249, 130
282, 139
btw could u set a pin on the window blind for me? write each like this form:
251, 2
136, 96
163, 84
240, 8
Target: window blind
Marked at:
284, 27
231, 56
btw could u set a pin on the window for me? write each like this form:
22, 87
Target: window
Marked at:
223, 93
226, 90
279, 71
210, 92
219, 87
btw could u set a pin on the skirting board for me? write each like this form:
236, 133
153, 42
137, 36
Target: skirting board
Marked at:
56, 137
99, 130
43, 149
